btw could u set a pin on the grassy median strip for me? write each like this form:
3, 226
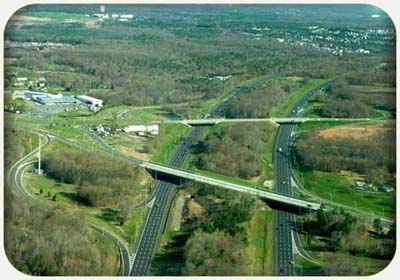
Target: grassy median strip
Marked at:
261, 242
284, 109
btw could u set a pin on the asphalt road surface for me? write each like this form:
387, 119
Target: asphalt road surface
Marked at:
285, 221
157, 216
16, 183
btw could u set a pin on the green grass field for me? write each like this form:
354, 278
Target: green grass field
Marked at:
58, 16
167, 141
261, 241
340, 187
284, 109
120, 116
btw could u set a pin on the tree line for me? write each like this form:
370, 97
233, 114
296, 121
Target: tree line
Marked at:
213, 243
336, 230
343, 100
259, 101
101, 181
373, 156
44, 240
47, 240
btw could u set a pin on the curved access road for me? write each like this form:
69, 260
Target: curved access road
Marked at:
16, 183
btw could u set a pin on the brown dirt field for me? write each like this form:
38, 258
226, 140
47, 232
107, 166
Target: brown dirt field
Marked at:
195, 209
294, 78
21, 20
134, 153
9, 60
355, 132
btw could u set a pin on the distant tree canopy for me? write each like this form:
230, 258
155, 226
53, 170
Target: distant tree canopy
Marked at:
235, 149
258, 102
345, 100
159, 61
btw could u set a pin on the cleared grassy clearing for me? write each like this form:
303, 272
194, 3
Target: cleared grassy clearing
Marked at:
261, 248
340, 188
120, 115
167, 141
106, 217
66, 195
325, 124
58, 16
284, 109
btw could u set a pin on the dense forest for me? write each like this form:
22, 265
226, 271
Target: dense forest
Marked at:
49, 240
336, 230
162, 58
235, 149
213, 244
258, 102
186, 58
374, 156
101, 181
44, 239
359, 93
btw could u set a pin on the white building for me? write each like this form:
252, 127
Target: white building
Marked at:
34, 95
142, 129
128, 16
93, 102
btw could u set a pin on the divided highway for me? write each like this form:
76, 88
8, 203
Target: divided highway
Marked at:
157, 216
284, 221
285, 199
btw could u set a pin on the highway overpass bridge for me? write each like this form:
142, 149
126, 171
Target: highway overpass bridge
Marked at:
197, 122
292, 202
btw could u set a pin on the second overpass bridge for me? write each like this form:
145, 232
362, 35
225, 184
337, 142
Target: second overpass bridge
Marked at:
272, 196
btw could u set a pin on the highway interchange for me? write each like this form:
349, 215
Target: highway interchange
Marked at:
138, 262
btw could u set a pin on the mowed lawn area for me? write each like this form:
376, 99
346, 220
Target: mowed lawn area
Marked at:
261, 246
341, 189
167, 141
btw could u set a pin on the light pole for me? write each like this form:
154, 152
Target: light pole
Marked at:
132, 238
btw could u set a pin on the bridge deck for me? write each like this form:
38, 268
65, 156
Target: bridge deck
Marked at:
272, 120
216, 182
